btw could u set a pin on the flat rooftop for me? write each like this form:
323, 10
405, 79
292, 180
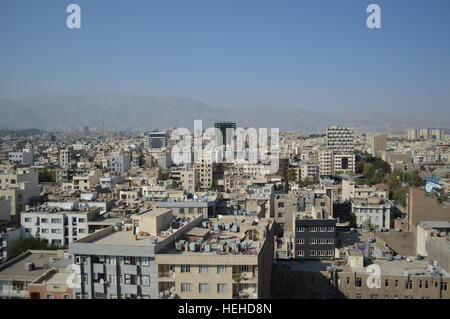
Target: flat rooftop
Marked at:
15, 269
124, 236
435, 224
393, 267
247, 237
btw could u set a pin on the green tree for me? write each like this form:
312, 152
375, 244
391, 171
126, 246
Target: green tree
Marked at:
20, 246
47, 176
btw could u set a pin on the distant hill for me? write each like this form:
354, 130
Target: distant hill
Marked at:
136, 112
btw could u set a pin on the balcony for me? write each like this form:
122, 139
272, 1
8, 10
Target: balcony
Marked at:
241, 292
166, 275
244, 276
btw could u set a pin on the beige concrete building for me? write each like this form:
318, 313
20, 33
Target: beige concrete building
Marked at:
230, 258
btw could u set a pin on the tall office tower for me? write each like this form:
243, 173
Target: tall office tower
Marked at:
157, 140
225, 139
340, 139
379, 144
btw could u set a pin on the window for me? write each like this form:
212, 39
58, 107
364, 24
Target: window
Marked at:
56, 231
80, 260
66, 297
444, 286
243, 268
185, 268
113, 279
281, 205
44, 231
145, 280
110, 260
300, 241
300, 253
300, 229
185, 287
81, 220
386, 282
27, 220
221, 288
396, 283
49, 296
130, 279
203, 269
313, 252
56, 220
221, 269
203, 288
130, 261
145, 261
82, 230
44, 220
409, 285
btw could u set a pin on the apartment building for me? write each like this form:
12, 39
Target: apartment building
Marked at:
429, 230
19, 186
17, 274
21, 157
286, 206
8, 234
422, 206
399, 279
190, 180
156, 140
340, 139
379, 144
309, 171
119, 162
84, 183
351, 190
53, 284
56, 224
425, 133
119, 262
205, 171
373, 213
64, 158
226, 258
314, 238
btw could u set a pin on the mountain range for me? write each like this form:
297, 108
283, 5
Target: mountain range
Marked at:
138, 112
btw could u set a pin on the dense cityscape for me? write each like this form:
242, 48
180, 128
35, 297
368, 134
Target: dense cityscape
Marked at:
108, 215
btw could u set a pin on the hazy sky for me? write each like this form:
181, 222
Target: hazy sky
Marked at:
311, 54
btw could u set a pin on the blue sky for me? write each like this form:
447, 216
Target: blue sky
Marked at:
310, 54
